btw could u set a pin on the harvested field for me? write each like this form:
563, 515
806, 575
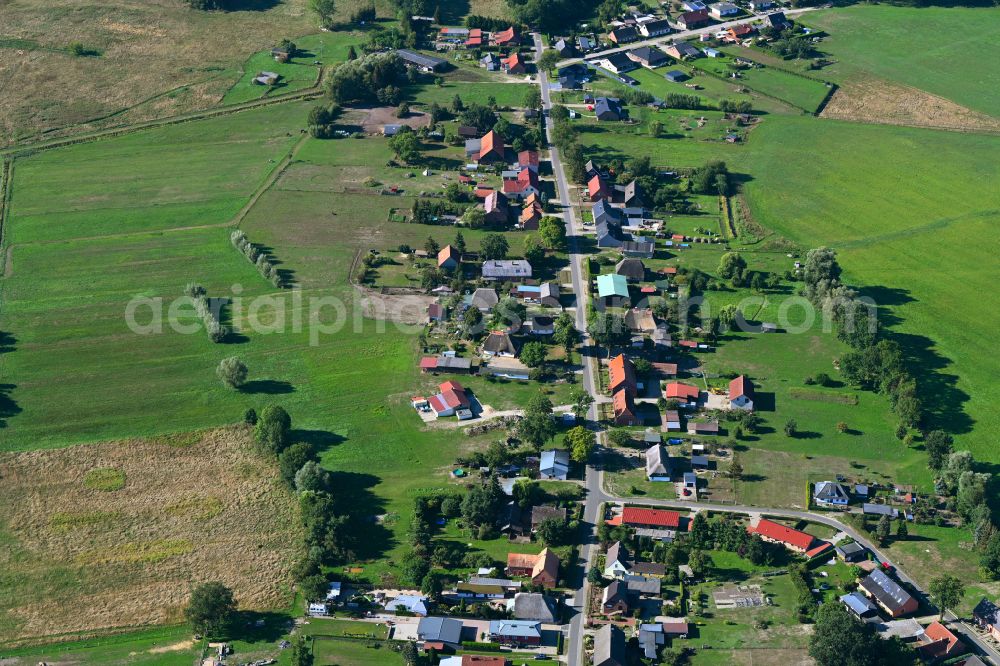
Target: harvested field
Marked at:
79, 558
400, 308
376, 117
872, 100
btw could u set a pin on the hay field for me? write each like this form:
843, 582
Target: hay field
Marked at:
947, 51
77, 558
157, 55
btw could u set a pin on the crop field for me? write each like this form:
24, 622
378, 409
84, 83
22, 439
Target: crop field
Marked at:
80, 558
937, 49
799, 91
908, 229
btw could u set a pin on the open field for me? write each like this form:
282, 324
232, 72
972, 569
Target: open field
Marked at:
908, 234
937, 49
805, 93
162, 646
78, 559
157, 58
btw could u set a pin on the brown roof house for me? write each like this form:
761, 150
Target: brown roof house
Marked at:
449, 258
543, 569
615, 600
495, 206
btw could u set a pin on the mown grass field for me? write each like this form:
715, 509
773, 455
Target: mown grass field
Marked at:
937, 49
909, 229
805, 93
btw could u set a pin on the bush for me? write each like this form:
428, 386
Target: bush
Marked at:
232, 372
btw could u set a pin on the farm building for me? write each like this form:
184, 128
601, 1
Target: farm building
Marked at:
423, 62
612, 290
888, 594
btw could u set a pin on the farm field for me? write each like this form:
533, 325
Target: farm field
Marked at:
936, 49
109, 535
162, 646
907, 235
157, 59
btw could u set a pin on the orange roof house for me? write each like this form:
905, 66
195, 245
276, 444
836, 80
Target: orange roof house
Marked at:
792, 539
680, 391
506, 37
942, 644
624, 406
543, 568
621, 374
449, 257
491, 148
597, 188
514, 64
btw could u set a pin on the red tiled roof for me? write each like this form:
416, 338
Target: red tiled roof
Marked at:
739, 387
688, 343
669, 270
669, 369
740, 30
525, 178
782, 533
677, 237
596, 186
647, 290
678, 390
699, 15
452, 385
505, 36
816, 550
527, 158
943, 642
437, 403
455, 399
513, 60
428, 363
623, 403
675, 627
491, 143
621, 374
483, 192
658, 517
448, 252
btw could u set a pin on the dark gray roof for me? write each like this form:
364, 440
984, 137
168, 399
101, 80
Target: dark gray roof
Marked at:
643, 585
534, 606
631, 268
444, 629
649, 54
420, 59
886, 590
879, 510
608, 105
503, 268
829, 491
609, 646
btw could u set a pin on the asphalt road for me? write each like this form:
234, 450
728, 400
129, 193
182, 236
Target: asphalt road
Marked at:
680, 35
594, 480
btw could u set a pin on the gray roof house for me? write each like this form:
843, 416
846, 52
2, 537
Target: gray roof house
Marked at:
603, 211
859, 605
533, 606
648, 56
609, 235
548, 294
633, 269
830, 493
643, 585
651, 638
657, 463
851, 552
639, 248
515, 632
655, 28
879, 510
409, 602
616, 560
506, 269
609, 646
440, 629
888, 594
484, 299
424, 63
609, 108
554, 464
675, 76
618, 63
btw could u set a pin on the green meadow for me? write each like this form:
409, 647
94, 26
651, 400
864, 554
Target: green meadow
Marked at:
943, 50
799, 91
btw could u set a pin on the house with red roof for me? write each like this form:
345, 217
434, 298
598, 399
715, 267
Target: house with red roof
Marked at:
940, 643
506, 37
528, 159
597, 188
490, 149
741, 393
692, 20
514, 64
621, 374
682, 392
654, 519
449, 258
624, 407
531, 214
790, 538
475, 38
451, 399
739, 32
483, 192
526, 183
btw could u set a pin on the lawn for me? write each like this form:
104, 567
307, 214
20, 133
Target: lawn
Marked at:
799, 91
301, 72
332, 652
937, 49
163, 646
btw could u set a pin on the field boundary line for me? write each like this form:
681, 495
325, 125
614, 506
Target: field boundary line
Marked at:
6, 172
269, 182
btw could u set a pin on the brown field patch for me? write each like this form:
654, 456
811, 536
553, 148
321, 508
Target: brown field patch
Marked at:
386, 115
877, 101
79, 559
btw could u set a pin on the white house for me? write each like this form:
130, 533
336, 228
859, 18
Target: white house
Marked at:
830, 493
616, 562
741, 393
554, 464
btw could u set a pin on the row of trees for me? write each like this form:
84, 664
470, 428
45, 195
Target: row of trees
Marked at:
208, 309
258, 258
